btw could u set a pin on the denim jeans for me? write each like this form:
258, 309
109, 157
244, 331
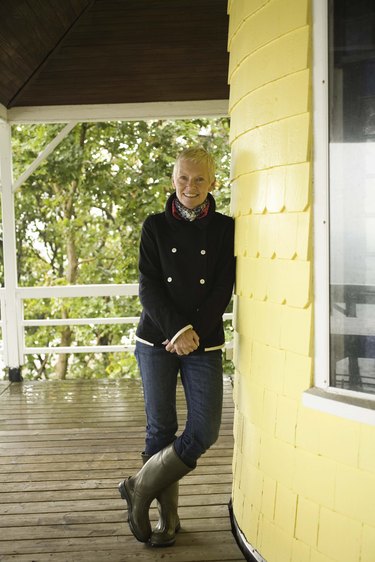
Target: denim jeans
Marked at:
202, 379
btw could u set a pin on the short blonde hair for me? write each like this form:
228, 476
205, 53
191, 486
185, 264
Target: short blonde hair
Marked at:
196, 154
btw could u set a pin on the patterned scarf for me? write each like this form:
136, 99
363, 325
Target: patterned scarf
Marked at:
181, 212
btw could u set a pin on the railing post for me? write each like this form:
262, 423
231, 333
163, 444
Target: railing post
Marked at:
11, 320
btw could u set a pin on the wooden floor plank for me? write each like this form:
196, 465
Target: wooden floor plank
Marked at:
64, 446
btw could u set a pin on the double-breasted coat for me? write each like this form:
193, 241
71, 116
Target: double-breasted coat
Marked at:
187, 272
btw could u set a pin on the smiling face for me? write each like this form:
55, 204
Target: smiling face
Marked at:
192, 182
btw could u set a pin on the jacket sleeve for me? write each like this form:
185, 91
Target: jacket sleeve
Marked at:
152, 292
210, 313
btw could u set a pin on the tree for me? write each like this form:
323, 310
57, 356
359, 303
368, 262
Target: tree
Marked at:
79, 218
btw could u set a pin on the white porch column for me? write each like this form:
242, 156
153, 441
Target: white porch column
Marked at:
10, 331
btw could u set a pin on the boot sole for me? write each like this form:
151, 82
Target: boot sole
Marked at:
167, 543
126, 496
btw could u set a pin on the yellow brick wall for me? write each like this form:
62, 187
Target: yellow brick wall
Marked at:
304, 481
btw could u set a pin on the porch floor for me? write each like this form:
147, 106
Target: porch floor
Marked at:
65, 445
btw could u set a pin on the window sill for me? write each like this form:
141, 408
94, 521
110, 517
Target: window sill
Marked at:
338, 403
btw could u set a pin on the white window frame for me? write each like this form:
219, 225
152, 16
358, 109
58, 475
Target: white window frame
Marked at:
348, 404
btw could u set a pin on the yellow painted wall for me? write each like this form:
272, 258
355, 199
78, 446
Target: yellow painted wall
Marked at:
304, 481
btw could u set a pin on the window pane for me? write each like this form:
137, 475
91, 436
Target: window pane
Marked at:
352, 193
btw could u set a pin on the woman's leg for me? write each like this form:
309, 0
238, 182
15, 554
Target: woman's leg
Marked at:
159, 370
202, 377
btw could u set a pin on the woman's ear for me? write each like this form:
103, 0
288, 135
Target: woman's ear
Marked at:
212, 186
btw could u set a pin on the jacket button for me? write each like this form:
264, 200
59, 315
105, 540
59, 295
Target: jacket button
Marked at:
202, 281
203, 252
169, 279
174, 250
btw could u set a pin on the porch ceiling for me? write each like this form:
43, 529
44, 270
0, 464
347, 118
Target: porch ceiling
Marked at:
112, 51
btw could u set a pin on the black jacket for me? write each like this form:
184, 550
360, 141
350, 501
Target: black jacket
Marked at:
187, 272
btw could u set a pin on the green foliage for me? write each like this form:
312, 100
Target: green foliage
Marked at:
79, 218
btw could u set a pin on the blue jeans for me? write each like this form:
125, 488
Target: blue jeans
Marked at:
202, 379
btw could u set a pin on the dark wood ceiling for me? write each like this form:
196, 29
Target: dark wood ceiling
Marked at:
55, 52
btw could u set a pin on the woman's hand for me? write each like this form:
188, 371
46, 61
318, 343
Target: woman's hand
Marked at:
187, 342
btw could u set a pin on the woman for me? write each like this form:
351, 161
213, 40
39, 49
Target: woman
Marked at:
187, 270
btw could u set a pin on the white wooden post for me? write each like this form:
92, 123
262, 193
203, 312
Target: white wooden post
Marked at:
11, 320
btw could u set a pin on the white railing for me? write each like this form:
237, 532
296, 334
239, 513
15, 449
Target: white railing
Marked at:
74, 291
3, 353
71, 291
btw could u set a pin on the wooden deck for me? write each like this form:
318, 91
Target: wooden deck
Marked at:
64, 446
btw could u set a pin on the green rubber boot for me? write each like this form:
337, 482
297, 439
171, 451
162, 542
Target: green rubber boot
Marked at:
161, 470
164, 534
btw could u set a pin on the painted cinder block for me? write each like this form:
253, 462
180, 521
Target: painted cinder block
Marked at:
273, 368
276, 183
267, 323
239, 11
324, 434
285, 55
267, 366
286, 419
257, 362
249, 274
277, 144
243, 355
251, 484
253, 233
366, 459
235, 203
244, 318
268, 545
251, 444
290, 282
253, 401
268, 232
240, 235
303, 248
238, 500
355, 494
296, 329
260, 278
315, 478
286, 237
278, 100
251, 192
368, 544
284, 543
275, 19
247, 236
307, 521
300, 551
268, 424
319, 557
278, 460
258, 182
269, 497
251, 519
285, 509
241, 404
297, 187
238, 423
240, 278
347, 533
297, 374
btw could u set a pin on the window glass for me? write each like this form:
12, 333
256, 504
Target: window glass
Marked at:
352, 194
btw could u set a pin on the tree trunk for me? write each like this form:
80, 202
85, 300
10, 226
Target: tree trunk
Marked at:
61, 367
